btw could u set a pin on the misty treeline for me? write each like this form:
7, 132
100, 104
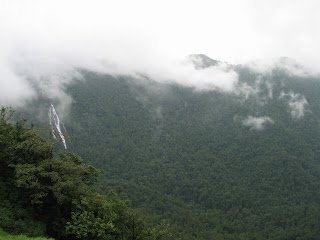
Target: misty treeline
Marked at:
49, 193
212, 164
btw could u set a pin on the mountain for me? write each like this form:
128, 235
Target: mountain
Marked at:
240, 164
202, 60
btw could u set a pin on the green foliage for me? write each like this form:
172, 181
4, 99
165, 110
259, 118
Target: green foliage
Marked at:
161, 231
6, 236
16, 220
85, 224
100, 218
43, 193
65, 178
186, 156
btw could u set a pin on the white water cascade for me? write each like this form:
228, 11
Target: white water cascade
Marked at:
55, 124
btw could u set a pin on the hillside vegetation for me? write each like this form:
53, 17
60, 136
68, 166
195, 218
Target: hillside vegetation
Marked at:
6, 236
215, 165
48, 193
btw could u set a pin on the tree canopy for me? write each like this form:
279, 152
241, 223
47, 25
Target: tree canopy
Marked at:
44, 193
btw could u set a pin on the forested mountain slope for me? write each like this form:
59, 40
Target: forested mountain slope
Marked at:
49, 193
243, 164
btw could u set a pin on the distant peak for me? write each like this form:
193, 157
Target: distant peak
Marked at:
202, 60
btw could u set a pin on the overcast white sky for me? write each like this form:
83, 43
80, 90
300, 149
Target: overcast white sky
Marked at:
232, 30
144, 34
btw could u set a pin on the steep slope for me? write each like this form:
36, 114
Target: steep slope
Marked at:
216, 165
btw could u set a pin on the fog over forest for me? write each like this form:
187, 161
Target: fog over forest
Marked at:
167, 120
44, 43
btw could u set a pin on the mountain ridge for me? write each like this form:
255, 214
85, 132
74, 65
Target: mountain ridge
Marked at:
215, 164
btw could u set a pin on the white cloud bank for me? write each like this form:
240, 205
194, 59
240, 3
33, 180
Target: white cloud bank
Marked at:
257, 123
43, 43
13, 89
290, 66
47, 40
25, 73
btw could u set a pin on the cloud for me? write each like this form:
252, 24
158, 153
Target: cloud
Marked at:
185, 73
244, 91
48, 40
28, 73
297, 104
43, 45
260, 89
257, 123
290, 66
25, 76
287, 28
14, 89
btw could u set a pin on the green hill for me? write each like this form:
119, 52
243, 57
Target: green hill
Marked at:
214, 165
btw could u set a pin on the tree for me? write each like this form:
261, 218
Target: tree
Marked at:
56, 189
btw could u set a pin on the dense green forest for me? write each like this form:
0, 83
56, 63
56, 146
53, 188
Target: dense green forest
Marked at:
48, 193
213, 165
